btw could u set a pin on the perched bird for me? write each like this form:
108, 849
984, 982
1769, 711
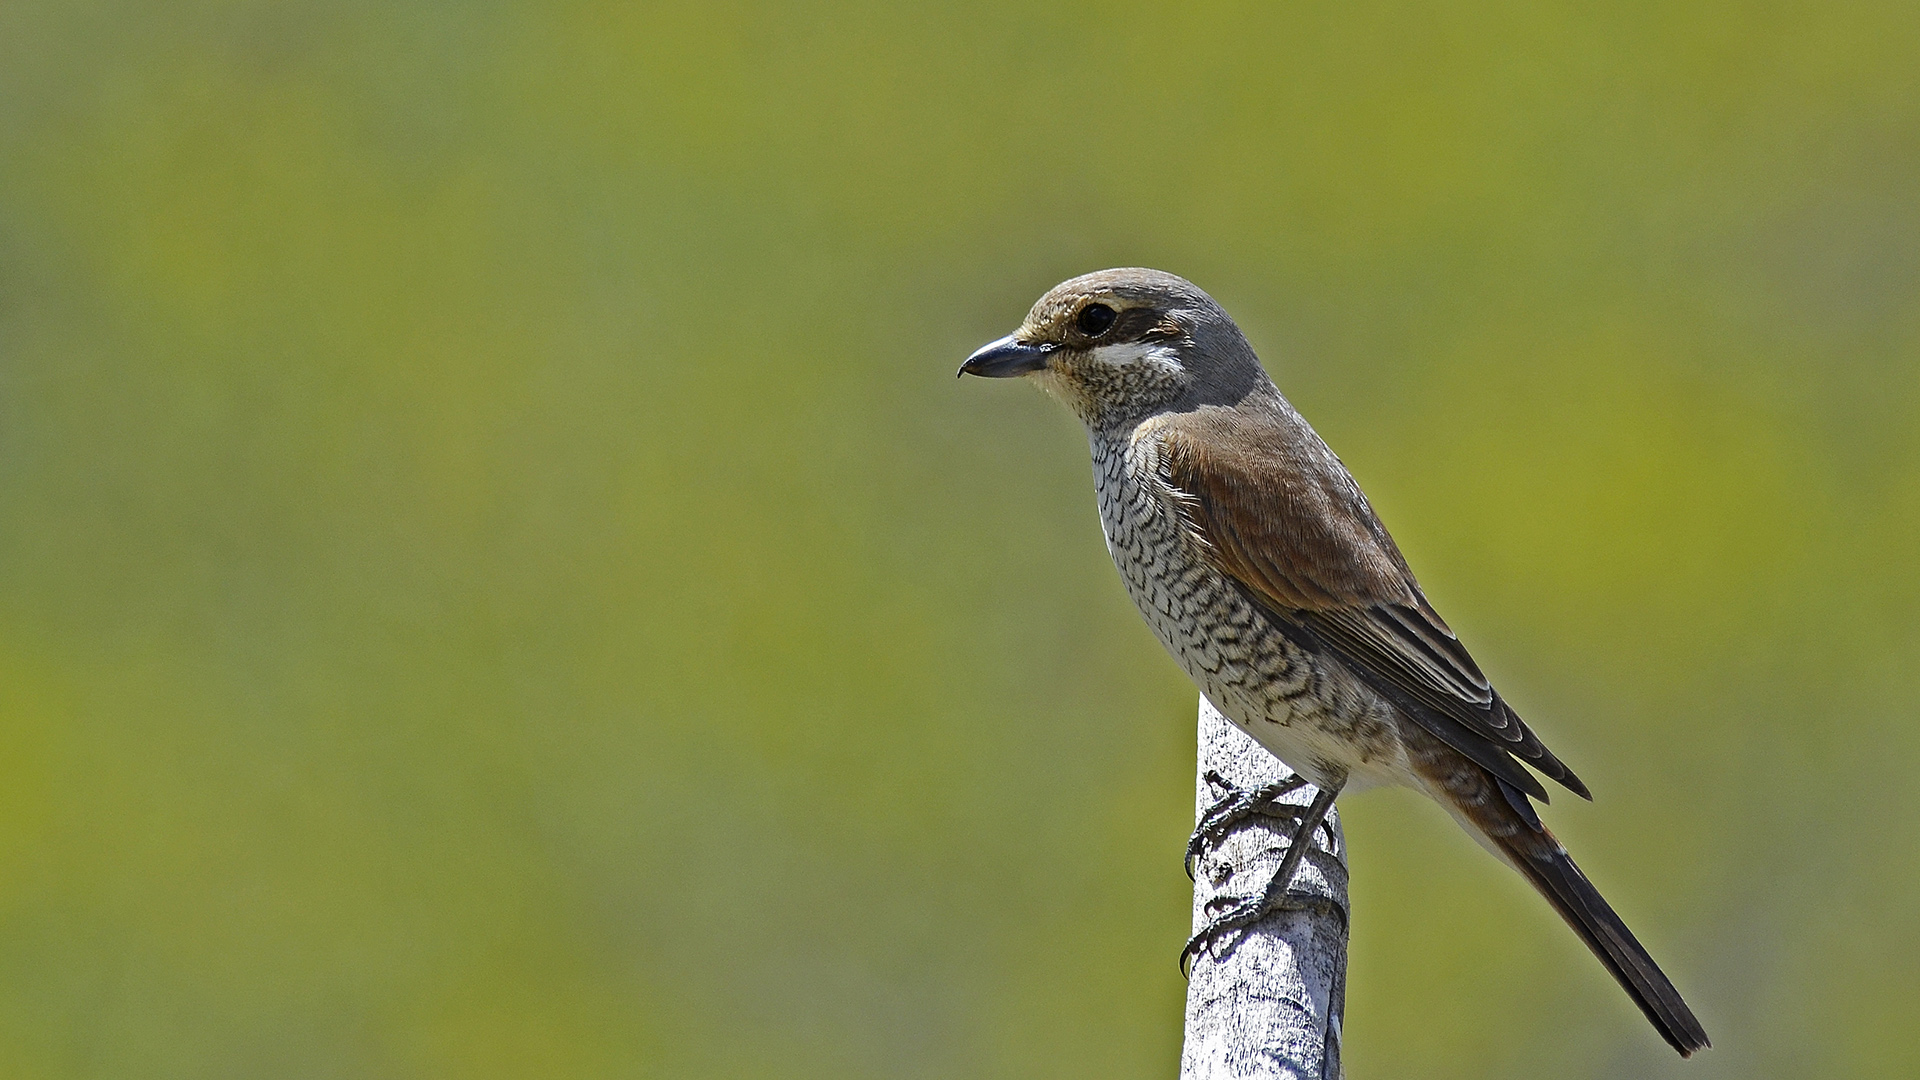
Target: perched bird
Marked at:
1260, 566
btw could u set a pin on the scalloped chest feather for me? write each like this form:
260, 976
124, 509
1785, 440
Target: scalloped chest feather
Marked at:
1308, 710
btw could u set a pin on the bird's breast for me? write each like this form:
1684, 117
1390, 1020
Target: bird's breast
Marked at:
1307, 709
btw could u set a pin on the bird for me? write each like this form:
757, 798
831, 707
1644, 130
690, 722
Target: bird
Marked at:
1259, 564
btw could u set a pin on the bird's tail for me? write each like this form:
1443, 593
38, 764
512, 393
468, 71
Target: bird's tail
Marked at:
1498, 815
1535, 853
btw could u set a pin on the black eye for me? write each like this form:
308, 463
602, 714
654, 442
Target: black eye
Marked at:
1095, 319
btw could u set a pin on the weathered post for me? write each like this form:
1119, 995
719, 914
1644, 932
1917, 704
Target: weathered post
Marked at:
1266, 1002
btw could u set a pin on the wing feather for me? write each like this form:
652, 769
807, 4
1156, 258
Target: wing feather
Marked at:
1283, 519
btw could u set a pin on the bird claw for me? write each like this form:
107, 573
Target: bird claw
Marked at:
1278, 894
1240, 913
1234, 806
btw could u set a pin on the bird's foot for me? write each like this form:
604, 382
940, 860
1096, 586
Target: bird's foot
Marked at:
1238, 913
1235, 805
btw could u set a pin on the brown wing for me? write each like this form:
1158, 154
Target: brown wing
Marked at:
1282, 518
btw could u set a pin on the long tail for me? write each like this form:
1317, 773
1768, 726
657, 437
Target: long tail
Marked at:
1500, 815
1546, 864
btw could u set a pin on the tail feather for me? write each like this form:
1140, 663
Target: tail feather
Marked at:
1546, 864
1498, 815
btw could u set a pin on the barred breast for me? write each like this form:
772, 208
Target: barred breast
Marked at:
1308, 710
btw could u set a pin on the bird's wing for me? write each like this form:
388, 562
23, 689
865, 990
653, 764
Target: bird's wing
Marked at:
1280, 516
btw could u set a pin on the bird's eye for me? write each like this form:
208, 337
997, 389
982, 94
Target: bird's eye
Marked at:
1095, 319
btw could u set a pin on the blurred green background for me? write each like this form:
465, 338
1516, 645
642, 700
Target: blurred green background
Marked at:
497, 577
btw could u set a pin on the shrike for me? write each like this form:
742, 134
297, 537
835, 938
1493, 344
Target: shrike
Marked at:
1258, 563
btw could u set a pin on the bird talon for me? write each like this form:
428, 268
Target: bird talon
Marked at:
1235, 805
1238, 913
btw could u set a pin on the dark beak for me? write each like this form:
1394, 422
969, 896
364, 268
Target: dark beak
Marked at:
1006, 358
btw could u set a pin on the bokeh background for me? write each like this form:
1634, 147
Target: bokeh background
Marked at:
498, 579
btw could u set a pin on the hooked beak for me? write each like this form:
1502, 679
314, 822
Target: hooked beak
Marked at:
1006, 358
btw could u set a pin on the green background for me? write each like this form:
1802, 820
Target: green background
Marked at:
497, 576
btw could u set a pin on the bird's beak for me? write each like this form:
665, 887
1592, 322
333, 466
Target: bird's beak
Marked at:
1006, 358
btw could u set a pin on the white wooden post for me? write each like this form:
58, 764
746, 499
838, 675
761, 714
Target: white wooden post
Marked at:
1266, 1002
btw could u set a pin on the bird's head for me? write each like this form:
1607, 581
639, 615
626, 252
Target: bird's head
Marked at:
1118, 346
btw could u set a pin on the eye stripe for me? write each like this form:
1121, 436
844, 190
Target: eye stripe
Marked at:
1135, 324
